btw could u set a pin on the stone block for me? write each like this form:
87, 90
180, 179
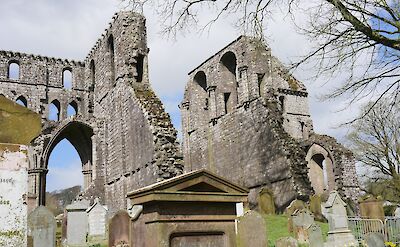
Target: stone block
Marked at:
42, 227
77, 227
315, 207
372, 208
375, 239
293, 206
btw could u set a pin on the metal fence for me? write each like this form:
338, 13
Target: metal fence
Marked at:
390, 228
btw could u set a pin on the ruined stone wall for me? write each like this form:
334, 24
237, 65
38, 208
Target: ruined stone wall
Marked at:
121, 130
133, 123
259, 142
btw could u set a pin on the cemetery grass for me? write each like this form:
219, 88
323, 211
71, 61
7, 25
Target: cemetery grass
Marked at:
277, 227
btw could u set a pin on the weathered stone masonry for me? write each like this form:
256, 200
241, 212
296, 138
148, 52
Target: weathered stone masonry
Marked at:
121, 131
247, 119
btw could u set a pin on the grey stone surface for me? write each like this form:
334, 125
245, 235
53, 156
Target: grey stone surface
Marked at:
42, 227
315, 236
286, 242
121, 131
77, 227
303, 219
375, 240
252, 230
13, 195
339, 233
243, 111
97, 218
118, 229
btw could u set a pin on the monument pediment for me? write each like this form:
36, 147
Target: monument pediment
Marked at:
200, 185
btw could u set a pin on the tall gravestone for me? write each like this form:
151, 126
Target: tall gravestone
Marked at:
315, 207
97, 215
77, 227
305, 229
119, 229
18, 126
339, 234
266, 202
42, 227
252, 230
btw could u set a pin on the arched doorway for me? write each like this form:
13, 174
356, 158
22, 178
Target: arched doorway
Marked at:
79, 135
321, 172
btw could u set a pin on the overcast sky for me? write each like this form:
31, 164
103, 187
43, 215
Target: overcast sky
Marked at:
69, 28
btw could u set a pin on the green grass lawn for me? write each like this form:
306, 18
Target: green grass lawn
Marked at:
277, 227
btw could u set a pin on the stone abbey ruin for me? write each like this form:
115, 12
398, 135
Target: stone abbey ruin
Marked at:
245, 118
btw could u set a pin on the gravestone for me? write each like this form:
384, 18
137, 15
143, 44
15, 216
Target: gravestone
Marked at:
252, 230
13, 192
77, 226
302, 221
339, 234
64, 228
286, 242
42, 227
266, 202
315, 236
293, 206
375, 239
372, 208
97, 214
315, 207
119, 228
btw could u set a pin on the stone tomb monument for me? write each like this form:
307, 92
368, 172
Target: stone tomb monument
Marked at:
97, 216
252, 230
42, 228
371, 207
339, 234
18, 126
193, 209
77, 226
119, 229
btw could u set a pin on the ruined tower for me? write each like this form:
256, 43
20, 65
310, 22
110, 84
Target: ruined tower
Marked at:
245, 117
120, 129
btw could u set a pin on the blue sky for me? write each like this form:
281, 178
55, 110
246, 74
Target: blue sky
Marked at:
69, 28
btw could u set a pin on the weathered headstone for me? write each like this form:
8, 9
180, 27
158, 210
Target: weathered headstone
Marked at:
77, 226
375, 239
293, 206
97, 214
252, 230
302, 221
119, 228
339, 234
266, 201
286, 242
372, 208
315, 236
13, 192
315, 207
42, 227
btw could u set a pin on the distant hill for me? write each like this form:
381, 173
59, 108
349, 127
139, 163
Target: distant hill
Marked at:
57, 200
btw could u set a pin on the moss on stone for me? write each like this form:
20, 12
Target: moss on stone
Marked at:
18, 124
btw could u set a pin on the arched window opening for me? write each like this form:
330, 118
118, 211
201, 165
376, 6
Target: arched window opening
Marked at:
54, 111
67, 79
21, 100
201, 80
72, 109
229, 62
64, 162
13, 71
282, 103
139, 68
92, 75
226, 103
111, 56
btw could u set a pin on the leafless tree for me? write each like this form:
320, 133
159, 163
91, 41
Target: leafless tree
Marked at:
375, 139
356, 38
